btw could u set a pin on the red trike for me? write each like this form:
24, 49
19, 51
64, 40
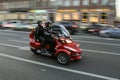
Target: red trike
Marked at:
66, 49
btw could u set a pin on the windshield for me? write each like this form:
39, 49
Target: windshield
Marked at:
64, 31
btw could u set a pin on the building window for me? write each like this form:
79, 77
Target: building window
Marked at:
85, 17
67, 2
103, 15
52, 3
58, 17
75, 16
1, 6
85, 2
2, 16
30, 16
95, 2
93, 17
5, 5
42, 3
103, 18
66, 16
24, 4
11, 16
59, 2
22, 16
76, 2
112, 2
104, 2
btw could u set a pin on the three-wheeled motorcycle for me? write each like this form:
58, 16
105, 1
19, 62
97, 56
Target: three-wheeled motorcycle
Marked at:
66, 49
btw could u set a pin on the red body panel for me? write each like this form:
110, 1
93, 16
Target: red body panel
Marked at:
60, 47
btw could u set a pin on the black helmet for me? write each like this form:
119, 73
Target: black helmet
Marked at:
48, 22
38, 22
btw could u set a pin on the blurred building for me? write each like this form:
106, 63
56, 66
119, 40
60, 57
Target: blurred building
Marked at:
85, 11
117, 19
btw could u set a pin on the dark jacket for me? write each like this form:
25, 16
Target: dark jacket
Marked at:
49, 30
39, 32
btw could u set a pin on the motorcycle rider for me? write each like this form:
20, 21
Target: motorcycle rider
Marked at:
49, 35
39, 34
48, 25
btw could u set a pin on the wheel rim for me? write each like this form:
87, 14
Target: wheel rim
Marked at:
62, 58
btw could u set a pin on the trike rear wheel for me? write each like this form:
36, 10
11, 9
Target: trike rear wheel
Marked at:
63, 58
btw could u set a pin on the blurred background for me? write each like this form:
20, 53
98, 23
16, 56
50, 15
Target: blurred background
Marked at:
79, 11
83, 11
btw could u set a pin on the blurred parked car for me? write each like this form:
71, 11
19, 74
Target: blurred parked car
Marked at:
2, 24
96, 28
83, 26
19, 24
70, 26
110, 33
10, 23
60, 30
23, 26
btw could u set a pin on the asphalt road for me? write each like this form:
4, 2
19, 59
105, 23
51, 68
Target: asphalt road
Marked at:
101, 59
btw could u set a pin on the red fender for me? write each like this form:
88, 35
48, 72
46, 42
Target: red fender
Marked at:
63, 51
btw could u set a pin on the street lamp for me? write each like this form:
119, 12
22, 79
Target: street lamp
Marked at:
54, 4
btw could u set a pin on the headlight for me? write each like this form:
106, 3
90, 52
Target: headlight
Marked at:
68, 41
64, 40
71, 49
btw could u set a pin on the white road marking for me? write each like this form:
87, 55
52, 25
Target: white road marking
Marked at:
103, 52
98, 43
10, 45
9, 34
77, 36
26, 38
72, 35
43, 70
19, 41
87, 50
27, 48
90, 42
59, 68
14, 31
24, 48
14, 46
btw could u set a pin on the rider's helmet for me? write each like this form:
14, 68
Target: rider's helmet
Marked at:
48, 23
39, 22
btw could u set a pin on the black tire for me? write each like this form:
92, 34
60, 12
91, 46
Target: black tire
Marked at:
34, 51
63, 58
